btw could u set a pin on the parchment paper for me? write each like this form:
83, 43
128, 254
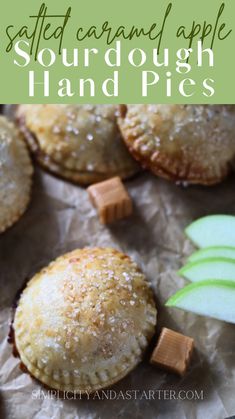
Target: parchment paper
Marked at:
61, 218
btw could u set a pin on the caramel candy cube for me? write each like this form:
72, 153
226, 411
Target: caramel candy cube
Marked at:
173, 351
111, 200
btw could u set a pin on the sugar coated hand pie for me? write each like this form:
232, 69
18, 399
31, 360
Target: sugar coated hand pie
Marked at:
15, 175
83, 322
79, 142
187, 143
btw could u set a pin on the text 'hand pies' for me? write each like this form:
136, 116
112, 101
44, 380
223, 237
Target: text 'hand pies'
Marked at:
185, 143
15, 175
83, 322
81, 143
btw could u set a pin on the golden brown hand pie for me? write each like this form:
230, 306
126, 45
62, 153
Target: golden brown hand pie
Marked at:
83, 322
79, 142
187, 143
15, 175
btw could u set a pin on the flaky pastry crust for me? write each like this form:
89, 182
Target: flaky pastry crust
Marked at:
83, 322
185, 143
15, 175
81, 143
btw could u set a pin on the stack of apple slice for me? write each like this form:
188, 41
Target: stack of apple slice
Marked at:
210, 269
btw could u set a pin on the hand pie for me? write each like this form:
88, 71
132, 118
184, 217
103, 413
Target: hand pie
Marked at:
81, 143
83, 322
186, 143
15, 175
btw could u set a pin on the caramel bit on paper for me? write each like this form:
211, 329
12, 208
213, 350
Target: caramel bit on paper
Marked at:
173, 351
111, 200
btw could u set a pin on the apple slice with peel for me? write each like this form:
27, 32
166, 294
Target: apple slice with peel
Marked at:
212, 268
208, 298
213, 252
213, 230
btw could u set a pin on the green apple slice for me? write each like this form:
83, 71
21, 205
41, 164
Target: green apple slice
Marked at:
213, 268
208, 298
213, 230
213, 252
